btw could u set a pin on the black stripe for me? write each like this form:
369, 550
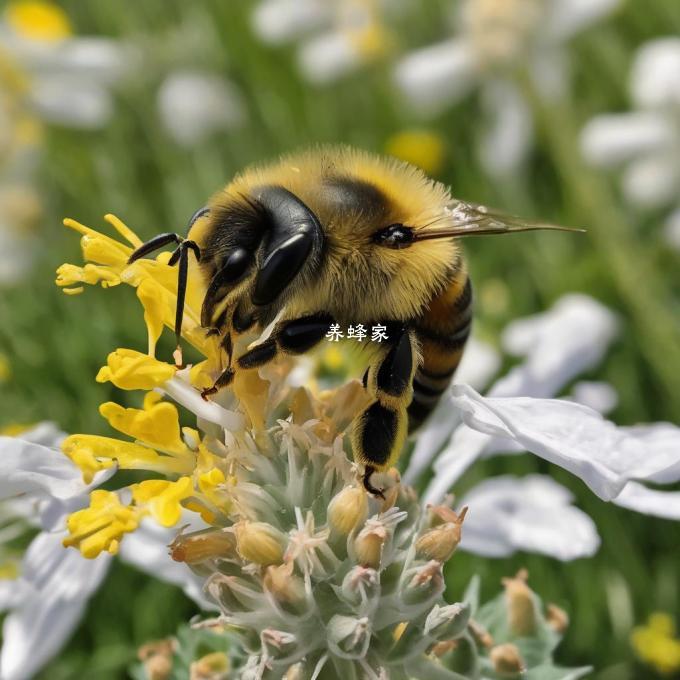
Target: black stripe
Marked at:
450, 341
426, 390
417, 413
464, 300
433, 375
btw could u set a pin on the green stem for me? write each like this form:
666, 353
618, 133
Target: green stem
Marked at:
630, 260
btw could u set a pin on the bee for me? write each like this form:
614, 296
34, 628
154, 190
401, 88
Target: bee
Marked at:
341, 236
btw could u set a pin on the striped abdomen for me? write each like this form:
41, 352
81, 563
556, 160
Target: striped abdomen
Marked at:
442, 332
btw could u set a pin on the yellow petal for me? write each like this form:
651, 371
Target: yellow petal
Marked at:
156, 305
101, 526
92, 453
156, 425
132, 370
163, 498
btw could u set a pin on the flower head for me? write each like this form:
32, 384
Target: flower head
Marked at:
493, 42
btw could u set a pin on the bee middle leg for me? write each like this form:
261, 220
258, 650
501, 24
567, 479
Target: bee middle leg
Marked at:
295, 336
380, 430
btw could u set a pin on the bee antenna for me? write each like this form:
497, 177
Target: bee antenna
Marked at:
181, 255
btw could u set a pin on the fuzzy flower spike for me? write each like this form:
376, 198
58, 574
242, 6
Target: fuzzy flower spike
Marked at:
313, 578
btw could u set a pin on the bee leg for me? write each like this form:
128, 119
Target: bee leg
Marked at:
379, 431
296, 336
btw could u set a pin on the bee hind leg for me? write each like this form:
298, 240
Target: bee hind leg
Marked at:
379, 431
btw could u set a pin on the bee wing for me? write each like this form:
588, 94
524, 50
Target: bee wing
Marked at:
472, 219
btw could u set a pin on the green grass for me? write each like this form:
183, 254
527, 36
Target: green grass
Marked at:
56, 344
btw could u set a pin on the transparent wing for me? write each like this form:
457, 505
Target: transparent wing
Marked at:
471, 219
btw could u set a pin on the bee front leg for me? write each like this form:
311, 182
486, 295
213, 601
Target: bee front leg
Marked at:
295, 336
379, 431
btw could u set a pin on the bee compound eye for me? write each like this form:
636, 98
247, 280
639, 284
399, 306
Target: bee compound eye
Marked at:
395, 236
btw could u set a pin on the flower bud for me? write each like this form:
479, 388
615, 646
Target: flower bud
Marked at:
348, 509
506, 660
369, 545
447, 622
259, 542
156, 657
521, 605
201, 546
557, 618
213, 666
392, 489
440, 542
295, 672
348, 636
283, 584
278, 643
425, 583
359, 585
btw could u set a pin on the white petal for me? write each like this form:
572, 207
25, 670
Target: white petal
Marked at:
671, 230
480, 363
655, 75
97, 60
328, 57
570, 338
464, 448
71, 101
59, 582
193, 105
435, 77
532, 513
653, 181
185, 395
32, 468
578, 439
12, 593
147, 549
45, 433
509, 129
568, 17
611, 139
281, 21
17, 253
600, 396
636, 496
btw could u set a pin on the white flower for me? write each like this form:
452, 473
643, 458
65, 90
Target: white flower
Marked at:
70, 78
47, 599
492, 41
646, 141
532, 513
336, 36
194, 104
519, 416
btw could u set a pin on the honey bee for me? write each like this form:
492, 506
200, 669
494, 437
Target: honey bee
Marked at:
340, 236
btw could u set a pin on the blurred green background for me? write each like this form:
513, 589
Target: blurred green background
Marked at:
132, 167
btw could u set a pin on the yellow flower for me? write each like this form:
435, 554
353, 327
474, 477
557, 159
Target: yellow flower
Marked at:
156, 282
37, 20
423, 148
656, 643
101, 526
131, 370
